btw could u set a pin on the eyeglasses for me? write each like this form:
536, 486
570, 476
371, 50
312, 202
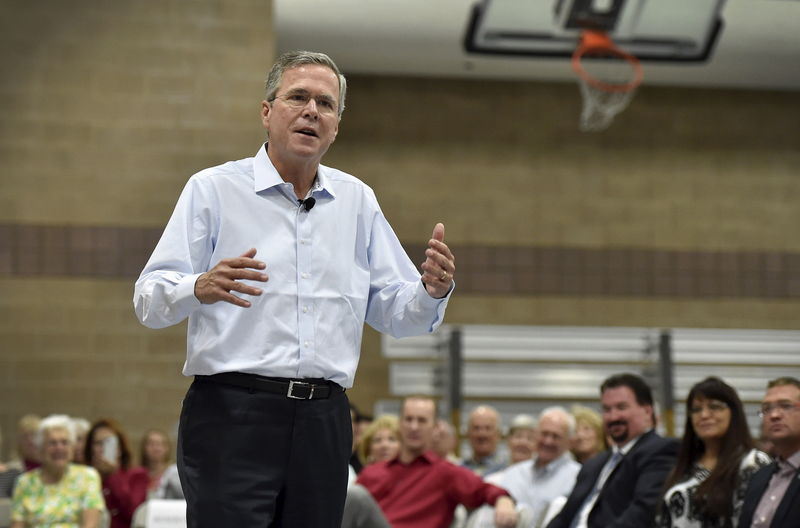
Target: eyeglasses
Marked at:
299, 99
712, 406
783, 407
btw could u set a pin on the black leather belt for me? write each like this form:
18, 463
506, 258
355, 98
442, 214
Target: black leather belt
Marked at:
298, 389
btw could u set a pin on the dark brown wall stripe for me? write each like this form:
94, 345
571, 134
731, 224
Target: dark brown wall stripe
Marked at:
121, 252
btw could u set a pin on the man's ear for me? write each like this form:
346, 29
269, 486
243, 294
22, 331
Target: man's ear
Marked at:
266, 108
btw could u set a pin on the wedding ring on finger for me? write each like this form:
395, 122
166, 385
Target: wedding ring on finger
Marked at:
444, 276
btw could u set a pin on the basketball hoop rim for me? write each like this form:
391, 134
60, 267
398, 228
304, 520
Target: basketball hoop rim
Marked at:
599, 41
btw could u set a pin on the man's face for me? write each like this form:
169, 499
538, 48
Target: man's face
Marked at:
483, 432
444, 441
781, 407
623, 418
302, 133
553, 438
417, 421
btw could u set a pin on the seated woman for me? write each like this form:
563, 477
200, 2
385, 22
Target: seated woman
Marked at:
380, 441
589, 438
124, 488
58, 493
715, 462
155, 457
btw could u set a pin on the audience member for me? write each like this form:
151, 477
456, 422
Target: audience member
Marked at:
380, 441
621, 486
8, 475
589, 438
772, 499
27, 452
155, 456
715, 462
124, 487
484, 433
444, 441
58, 493
82, 427
551, 473
522, 438
420, 490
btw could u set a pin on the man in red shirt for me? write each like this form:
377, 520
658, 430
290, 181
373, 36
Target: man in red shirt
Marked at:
418, 489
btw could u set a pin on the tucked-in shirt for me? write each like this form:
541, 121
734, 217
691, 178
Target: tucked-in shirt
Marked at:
679, 507
424, 493
532, 487
774, 493
331, 268
58, 505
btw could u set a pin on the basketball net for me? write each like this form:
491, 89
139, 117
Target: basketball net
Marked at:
608, 78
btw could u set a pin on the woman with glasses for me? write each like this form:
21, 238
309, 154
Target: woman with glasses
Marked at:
715, 461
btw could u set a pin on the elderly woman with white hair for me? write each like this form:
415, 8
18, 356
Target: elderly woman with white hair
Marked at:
59, 493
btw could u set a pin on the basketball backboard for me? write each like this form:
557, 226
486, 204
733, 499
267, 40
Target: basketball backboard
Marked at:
651, 30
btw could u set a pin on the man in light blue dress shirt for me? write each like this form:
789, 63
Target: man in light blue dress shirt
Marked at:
277, 261
550, 474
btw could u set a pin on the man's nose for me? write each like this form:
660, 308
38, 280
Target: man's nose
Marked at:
310, 109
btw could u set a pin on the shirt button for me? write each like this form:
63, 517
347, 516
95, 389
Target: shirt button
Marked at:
304, 275
306, 344
305, 309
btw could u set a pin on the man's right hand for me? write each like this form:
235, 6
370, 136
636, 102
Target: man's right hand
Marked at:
217, 283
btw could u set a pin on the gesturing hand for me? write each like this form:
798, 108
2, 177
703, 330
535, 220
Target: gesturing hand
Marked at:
439, 265
217, 283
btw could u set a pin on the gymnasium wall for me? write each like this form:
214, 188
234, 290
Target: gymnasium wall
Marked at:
682, 214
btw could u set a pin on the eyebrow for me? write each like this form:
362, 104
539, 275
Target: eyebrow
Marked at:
303, 91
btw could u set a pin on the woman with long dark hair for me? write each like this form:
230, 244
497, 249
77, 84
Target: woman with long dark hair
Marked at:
124, 487
715, 461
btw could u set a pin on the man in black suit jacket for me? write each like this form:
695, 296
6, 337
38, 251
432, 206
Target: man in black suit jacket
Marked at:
765, 504
614, 492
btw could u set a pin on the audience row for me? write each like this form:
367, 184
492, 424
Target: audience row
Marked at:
70, 473
585, 469
564, 469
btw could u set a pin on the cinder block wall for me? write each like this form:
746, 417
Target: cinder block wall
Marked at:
107, 108
682, 214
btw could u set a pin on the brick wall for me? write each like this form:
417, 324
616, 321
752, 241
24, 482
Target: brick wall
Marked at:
107, 108
682, 214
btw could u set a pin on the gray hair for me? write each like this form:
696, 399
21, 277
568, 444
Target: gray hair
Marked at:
522, 421
53, 422
293, 59
557, 410
81, 425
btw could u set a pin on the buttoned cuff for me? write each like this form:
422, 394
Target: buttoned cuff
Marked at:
184, 297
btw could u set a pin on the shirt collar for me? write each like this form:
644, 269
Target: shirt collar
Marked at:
428, 457
550, 466
793, 461
266, 176
625, 449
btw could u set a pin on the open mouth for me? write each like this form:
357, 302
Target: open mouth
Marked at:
307, 132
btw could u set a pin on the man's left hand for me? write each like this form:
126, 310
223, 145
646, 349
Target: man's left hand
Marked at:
439, 265
505, 514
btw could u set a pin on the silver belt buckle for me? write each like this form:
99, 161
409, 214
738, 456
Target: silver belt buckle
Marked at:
290, 392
